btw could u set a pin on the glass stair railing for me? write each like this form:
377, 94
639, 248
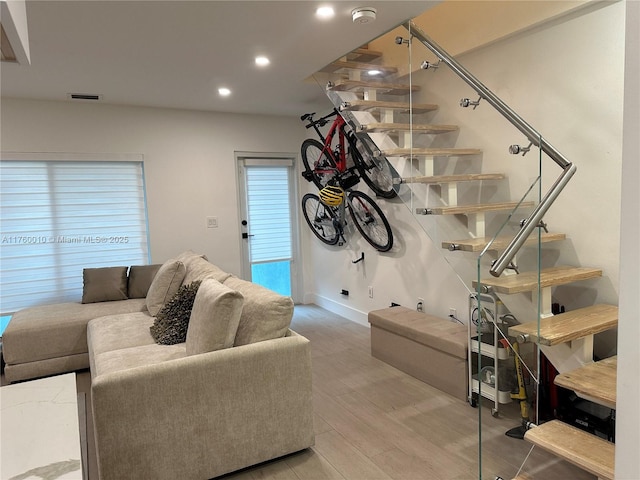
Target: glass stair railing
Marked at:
493, 239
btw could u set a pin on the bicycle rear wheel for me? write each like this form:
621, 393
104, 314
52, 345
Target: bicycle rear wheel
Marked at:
375, 171
317, 163
370, 221
321, 219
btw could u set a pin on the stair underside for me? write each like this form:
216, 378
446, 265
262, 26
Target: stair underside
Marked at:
569, 326
587, 451
430, 152
477, 208
363, 55
350, 65
441, 179
401, 106
406, 127
595, 381
549, 277
500, 243
384, 88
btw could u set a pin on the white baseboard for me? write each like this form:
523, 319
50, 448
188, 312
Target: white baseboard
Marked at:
334, 307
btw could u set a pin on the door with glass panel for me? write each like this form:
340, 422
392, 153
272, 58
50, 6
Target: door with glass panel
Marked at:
267, 224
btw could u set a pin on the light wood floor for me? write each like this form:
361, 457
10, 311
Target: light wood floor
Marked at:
375, 422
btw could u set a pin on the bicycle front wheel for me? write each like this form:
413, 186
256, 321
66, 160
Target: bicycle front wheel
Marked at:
370, 221
321, 219
375, 171
316, 162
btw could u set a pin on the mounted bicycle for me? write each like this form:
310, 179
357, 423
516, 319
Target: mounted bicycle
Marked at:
323, 160
326, 214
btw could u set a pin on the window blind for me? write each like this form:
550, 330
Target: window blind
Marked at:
269, 215
58, 217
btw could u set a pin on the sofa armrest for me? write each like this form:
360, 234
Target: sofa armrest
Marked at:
205, 415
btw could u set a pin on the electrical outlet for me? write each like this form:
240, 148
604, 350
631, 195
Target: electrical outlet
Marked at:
452, 312
420, 304
212, 222
370, 291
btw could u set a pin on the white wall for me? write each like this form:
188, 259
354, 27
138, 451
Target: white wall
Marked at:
628, 415
188, 159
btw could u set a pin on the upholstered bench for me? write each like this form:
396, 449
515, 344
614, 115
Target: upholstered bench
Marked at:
429, 348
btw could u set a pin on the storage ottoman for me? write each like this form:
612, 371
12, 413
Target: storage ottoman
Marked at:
428, 348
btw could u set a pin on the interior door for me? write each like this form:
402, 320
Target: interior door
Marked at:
268, 222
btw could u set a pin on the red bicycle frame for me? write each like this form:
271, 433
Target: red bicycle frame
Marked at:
339, 156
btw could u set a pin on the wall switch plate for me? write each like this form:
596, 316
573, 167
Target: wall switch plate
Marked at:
212, 222
370, 292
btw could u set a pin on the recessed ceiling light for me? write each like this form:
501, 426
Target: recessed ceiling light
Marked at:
373, 73
325, 12
224, 92
262, 61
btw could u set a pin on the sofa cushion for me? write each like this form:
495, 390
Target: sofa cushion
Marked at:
112, 332
265, 314
140, 279
165, 285
135, 357
214, 318
172, 321
51, 331
104, 284
200, 269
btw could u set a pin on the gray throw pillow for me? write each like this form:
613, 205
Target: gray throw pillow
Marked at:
165, 285
171, 323
214, 318
140, 279
104, 284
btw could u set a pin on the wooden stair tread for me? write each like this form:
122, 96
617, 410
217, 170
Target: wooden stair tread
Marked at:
430, 152
569, 326
363, 55
584, 450
595, 382
397, 127
351, 65
377, 104
500, 243
385, 88
549, 277
477, 208
439, 179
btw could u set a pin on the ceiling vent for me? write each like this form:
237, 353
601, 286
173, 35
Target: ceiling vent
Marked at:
84, 96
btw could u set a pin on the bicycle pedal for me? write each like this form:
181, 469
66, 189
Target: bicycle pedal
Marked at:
340, 244
307, 175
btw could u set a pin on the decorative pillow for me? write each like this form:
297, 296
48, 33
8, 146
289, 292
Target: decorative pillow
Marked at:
171, 323
165, 285
140, 278
201, 269
265, 313
104, 284
214, 318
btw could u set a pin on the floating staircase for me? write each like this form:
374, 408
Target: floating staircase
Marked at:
381, 108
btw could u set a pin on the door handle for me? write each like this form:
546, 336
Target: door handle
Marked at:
246, 235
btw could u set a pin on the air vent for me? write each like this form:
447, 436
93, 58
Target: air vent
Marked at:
84, 96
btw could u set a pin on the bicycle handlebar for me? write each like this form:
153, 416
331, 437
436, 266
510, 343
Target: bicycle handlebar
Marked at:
322, 121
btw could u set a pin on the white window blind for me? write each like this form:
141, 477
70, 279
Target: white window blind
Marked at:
59, 217
269, 213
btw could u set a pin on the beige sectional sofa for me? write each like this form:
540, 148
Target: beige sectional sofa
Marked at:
235, 393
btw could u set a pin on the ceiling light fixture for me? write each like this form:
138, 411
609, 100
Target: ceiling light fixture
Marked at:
373, 73
262, 61
325, 12
363, 14
224, 92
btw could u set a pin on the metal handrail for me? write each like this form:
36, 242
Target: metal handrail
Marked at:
532, 135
